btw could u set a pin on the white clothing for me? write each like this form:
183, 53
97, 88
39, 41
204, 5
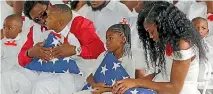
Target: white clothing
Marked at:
135, 41
201, 11
209, 39
9, 54
184, 5
112, 14
83, 10
129, 64
25, 81
190, 83
5, 11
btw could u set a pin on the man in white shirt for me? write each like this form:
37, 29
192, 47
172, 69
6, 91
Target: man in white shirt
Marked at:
105, 14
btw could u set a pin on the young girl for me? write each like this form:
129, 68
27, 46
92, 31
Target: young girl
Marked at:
119, 43
166, 32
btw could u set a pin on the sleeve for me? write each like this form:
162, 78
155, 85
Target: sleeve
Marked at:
183, 54
98, 61
23, 59
73, 40
91, 45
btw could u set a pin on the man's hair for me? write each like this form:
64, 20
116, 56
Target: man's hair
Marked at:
199, 18
74, 4
28, 5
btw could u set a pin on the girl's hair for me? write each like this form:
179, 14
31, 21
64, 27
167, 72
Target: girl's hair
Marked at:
124, 28
172, 25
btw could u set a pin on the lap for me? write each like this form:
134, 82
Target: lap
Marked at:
89, 92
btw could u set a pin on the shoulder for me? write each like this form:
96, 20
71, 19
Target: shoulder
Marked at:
184, 44
122, 8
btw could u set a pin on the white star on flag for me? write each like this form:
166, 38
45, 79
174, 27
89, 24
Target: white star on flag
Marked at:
54, 60
104, 69
125, 77
67, 59
66, 71
55, 42
80, 73
113, 81
116, 65
40, 61
134, 92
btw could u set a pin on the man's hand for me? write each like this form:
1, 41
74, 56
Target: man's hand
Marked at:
63, 50
40, 52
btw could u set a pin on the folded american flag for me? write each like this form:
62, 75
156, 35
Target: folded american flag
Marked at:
110, 71
56, 65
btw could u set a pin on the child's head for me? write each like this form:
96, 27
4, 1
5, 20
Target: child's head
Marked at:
12, 26
58, 16
117, 36
201, 25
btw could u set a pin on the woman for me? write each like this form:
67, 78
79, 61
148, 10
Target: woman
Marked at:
166, 32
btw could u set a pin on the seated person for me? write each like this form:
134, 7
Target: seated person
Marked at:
201, 24
12, 43
71, 30
119, 43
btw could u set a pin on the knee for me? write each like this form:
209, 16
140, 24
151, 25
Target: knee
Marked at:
44, 87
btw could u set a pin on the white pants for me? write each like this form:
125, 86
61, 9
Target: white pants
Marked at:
24, 81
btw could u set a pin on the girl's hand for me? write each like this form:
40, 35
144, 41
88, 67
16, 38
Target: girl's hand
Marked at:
121, 86
100, 90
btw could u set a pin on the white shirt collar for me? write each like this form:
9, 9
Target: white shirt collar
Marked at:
17, 38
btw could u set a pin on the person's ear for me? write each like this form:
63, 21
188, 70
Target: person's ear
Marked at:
124, 39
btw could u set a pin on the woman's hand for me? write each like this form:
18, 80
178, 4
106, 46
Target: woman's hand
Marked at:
121, 86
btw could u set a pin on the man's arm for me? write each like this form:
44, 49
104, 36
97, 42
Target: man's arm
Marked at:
23, 59
84, 30
18, 7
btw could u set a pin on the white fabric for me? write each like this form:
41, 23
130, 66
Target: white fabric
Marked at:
24, 81
210, 39
201, 11
5, 11
9, 54
190, 83
130, 65
135, 41
184, 5
83, 10
112, 14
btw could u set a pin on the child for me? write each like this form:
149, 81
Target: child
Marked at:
119, 43
201, 25
67, 27
12, 43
